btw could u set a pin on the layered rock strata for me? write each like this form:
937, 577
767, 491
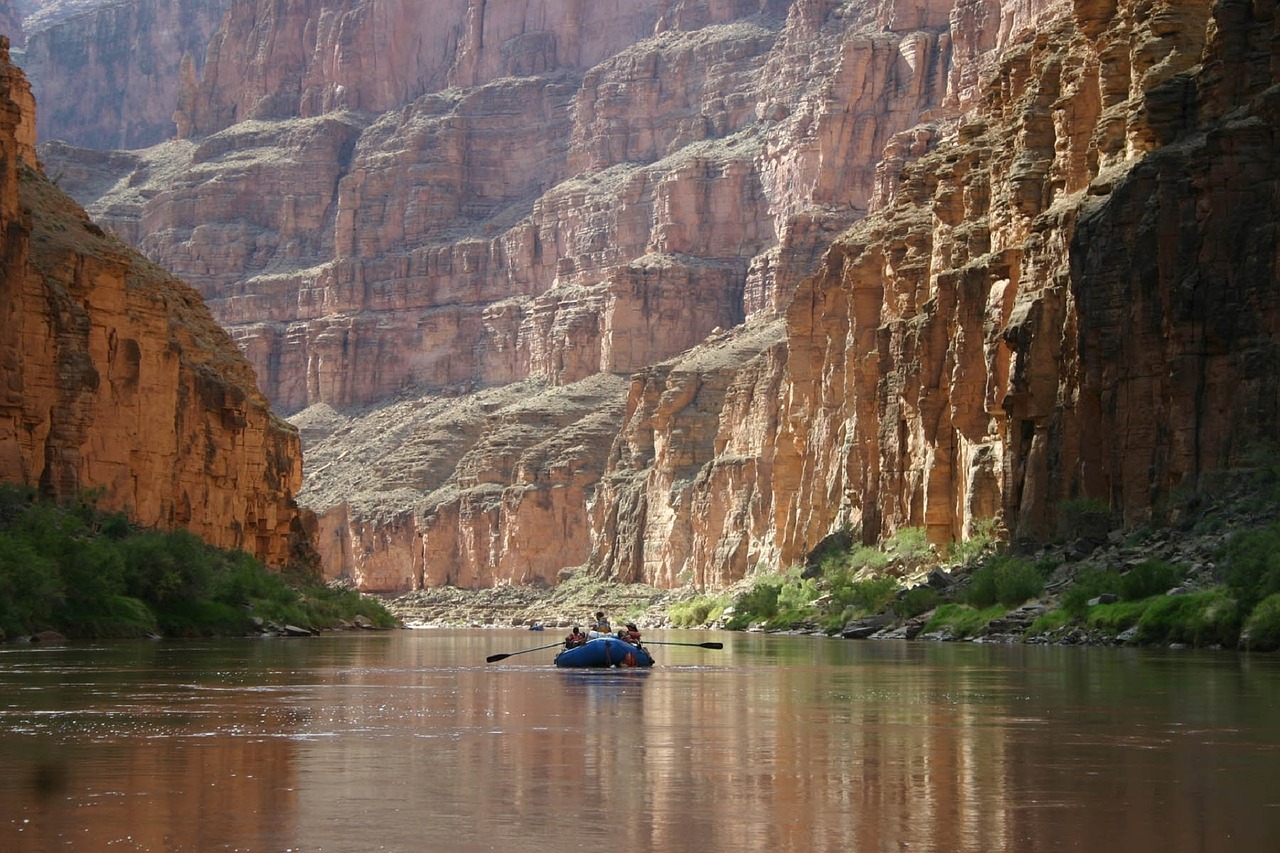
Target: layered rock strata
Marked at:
866, 265
119, 381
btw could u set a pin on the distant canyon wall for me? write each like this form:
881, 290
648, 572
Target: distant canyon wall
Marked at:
118, 379
672, 290
108, 74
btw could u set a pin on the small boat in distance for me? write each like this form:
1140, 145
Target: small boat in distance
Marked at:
604, 652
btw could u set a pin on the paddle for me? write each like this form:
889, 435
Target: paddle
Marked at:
494, 658
697, 645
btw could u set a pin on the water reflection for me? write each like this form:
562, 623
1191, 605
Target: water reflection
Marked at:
408, 741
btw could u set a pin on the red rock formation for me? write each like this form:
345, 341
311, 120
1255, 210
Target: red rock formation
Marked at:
118, 378
1038, 289
1069, 291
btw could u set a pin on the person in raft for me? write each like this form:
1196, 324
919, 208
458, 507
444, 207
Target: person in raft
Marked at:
575, 638
600, 628
631, 635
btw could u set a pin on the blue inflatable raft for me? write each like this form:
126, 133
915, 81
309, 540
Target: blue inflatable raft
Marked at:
604, 652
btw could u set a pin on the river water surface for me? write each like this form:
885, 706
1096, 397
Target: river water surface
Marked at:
408, 740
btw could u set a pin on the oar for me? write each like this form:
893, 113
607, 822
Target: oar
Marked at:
495, 658
696, 645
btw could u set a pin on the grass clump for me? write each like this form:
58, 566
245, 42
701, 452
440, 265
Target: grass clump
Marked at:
1005, 580
962, 620
917, 600
1262, 630
1115, 617
1208, 618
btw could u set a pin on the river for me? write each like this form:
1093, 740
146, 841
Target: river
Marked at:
408, 741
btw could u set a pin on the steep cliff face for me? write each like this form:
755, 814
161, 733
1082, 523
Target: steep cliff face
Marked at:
1074, 295
1068, 291
866, 264
108, 74
118, 378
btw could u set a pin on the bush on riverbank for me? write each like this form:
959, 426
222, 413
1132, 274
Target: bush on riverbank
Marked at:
1210, 578
839, 583
697, 612
89, 574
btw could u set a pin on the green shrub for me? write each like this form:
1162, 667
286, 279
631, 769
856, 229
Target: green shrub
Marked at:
89, 574
113, 617
865, 596
31, 589
202, 618
777, 601
1262, 630
909, 543
1090, 582
163, 568
1089, 517
325, 606
795, 603
1253, 564
758, 604
865, 557
1148, 578
968, 550
696, 612
917, 600
1007, 580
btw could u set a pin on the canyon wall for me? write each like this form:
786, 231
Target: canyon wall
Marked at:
118, 379
672, 290
107, 74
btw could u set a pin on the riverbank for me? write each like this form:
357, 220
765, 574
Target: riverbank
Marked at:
1203, 572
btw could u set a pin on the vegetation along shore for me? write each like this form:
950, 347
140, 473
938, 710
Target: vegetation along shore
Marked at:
77, 572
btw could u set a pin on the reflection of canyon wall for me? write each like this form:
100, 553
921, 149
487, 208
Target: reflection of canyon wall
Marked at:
479, 227
117, 377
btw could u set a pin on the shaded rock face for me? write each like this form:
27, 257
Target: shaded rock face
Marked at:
676, 289
118, 379
107, 74
1071, 296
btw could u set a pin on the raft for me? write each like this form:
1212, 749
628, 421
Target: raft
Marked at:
604, 652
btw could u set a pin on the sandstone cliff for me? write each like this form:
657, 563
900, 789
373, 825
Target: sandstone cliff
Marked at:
117, 377
550, 280
107, 74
